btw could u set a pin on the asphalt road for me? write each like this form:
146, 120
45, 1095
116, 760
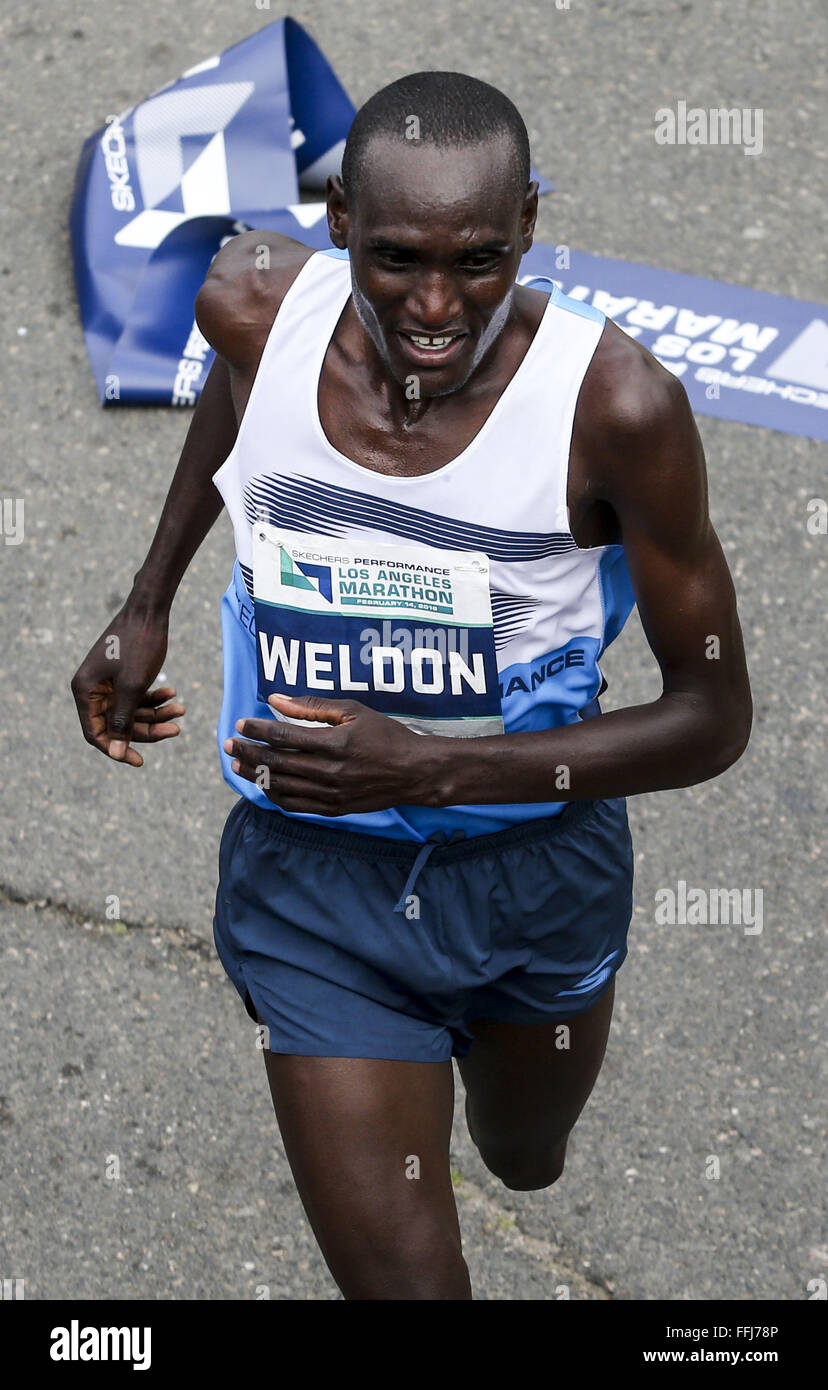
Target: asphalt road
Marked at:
131, 1043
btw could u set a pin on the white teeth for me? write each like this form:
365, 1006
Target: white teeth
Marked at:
433, 343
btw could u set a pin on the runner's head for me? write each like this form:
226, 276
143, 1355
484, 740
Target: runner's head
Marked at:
436, 209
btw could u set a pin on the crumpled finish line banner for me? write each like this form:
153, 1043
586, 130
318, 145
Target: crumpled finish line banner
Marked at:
230, 145
158, 187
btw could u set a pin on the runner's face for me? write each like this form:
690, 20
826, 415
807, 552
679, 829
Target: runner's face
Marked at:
435, 244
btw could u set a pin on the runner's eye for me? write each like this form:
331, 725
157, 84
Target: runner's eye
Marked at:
395, 259
479, 265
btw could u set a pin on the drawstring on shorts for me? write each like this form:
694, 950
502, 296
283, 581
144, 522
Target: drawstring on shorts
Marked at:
440, 837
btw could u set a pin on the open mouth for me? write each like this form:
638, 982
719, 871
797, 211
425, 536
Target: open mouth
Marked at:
431, 348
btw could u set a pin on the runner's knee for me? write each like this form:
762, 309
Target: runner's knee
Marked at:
422, 1260
525, 1167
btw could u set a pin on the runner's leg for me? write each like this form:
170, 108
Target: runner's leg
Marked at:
524, 1090
368, 1144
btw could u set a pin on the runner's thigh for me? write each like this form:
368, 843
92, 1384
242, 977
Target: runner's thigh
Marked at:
526, 1084
368, 1144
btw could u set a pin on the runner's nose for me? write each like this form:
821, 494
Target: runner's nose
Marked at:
434, 302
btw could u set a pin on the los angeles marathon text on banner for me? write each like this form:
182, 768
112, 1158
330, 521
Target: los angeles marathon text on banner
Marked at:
741, 354
406, 630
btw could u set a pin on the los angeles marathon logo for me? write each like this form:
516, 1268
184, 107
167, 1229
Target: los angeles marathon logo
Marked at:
360, 584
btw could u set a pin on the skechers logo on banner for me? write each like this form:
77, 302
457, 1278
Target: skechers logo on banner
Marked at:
190, 367
113, 148
552, 667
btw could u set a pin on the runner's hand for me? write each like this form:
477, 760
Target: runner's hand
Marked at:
113, 690
364, 762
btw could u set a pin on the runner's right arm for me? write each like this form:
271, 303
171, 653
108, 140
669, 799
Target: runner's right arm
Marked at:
113, 686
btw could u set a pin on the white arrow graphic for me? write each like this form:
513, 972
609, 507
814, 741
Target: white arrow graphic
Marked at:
159, 128
805, 360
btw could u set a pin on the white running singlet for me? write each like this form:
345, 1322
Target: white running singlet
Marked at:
457, 602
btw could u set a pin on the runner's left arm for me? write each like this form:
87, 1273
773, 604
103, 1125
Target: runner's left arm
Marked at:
650, 469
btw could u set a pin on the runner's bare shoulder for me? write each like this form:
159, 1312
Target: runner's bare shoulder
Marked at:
243, 291
627, 398
634, 436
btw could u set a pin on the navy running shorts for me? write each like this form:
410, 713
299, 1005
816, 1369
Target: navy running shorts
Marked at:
351, 945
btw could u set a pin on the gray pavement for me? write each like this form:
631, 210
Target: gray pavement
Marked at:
132, 1043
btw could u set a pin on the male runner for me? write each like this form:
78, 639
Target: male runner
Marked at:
398, 427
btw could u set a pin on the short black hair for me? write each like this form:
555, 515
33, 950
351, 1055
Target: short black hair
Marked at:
452, 109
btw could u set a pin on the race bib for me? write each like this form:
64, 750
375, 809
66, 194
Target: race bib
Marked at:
404, 629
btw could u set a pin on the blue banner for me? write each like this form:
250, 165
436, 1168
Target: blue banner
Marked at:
228, 145
741, 354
